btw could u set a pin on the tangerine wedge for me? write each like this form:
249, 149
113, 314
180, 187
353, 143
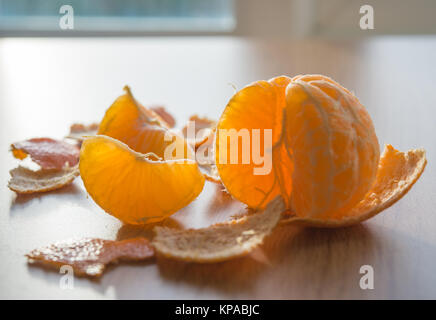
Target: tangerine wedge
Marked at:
324, 149
141, 128
259, 105
145, 172
134, 187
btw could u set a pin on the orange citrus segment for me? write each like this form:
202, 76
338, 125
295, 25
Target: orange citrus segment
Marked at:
126, 114
141, 129
397, 172
256, 107
335, 151
134, 187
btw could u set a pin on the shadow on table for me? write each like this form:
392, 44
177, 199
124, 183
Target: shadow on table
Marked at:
295, 263
134, 231
20, 203
22, 199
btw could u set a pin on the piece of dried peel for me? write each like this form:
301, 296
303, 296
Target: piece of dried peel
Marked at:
47, 153
24, 180
89, 257
221, 241
79, 130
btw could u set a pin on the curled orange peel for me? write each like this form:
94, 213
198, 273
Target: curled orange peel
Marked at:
396, 174
47, 153
58, 161
219, 242
24, 180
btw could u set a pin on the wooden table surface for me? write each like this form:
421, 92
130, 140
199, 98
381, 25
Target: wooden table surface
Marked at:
47, 84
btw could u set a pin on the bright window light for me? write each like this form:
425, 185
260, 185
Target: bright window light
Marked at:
29, 16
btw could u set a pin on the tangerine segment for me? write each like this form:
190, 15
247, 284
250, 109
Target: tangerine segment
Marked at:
221, 241
89, 257
136, 188
397, 173
258, 106
335, 151
141, 129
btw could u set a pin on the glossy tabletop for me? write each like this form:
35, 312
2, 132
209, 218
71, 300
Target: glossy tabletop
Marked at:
47, 84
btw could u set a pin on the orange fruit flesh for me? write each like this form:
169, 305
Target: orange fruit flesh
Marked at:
335, 148
136, 168
324, 148
257, 106
136, 188
141, 129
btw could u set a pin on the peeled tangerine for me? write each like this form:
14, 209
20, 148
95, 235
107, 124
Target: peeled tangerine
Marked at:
135, 168
324, 150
